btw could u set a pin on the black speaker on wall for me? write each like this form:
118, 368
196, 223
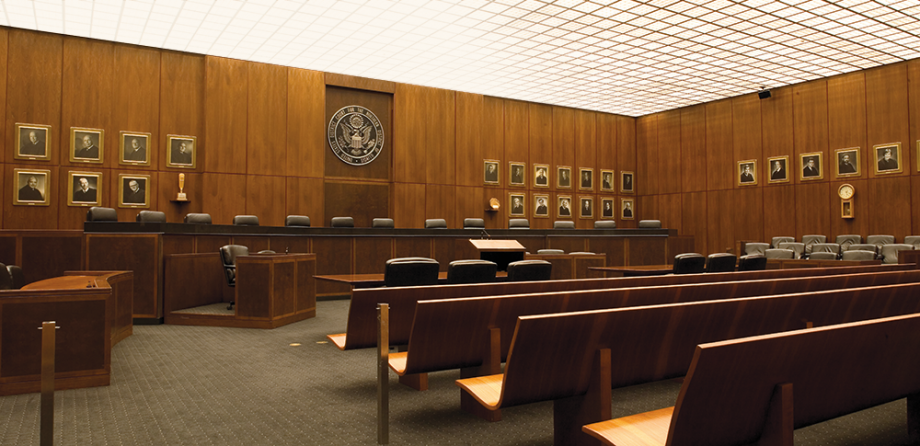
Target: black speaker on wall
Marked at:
763, 94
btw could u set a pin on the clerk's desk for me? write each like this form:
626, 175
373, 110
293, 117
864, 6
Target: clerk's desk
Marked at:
271, 290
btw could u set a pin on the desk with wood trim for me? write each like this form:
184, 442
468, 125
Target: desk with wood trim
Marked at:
805, 263
361, 281
634, 271
572, 265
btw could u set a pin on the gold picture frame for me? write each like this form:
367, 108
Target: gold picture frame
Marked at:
888, 158
517, 174
87, 145
811, 166
517, 204
181, 151
778, 166
607, 181
84, 188
627, 209
491, 172
131, 197
563, 177
541, 175
607, 210
586, 207
747, 173
134, 148
33, 142
563, 206
846, 162
627, 182
31, 187
541, 205
585, 178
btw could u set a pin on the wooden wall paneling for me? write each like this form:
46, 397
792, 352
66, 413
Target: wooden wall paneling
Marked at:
362, 201
47, 255
607, 150
886, 108
224, 196
915, 204
266, 148
178, 244
211, 243
373, 254
749, 212
694, 215
291, 244
669, 212
890, 202
563, 142
810, 121
493, 133
613, 248
719, 150
626, 145
567, 244
846, 119
541, 142
306, 128
778, 213
4, 60
583, 223
469, 204
646, 172
863, 207
645, 208
747, 137
409, 151
720, 218
693, 151
382, 105
499, 218
777, 136
913, 83
255, 243
167, 188
648, 251
182, 108
226, 111
360, 83
304, 196
413, 247
31, 217
8, 243
136, 98
669, 149
443, 249
265, 198
469, 153
33, 88
517, 136
4, 190
440, 202
339, 252
812, 209
586, 143
409, 205
111, 184
440, 136
86, 94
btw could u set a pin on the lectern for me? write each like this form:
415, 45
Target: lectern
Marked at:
502, 252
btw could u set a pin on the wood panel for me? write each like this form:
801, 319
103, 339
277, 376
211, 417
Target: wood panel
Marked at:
693, 151
374, 253
136, 91
32, 217
305, 197
693, 219
111, 186
886, 109
72, 217
607, 150
749, 213
226, 113
517, 138
746, 134
138, 253
382, 105
86, 93
648, 251
890, 206
182, 104
338, 254
669, 143
168, 188
812, 209
669, 208
645, 208
719, 151
563, 139
222, 196
409, 154
493, 134
913, 83
720, 218
4, 60
44, 256
863, 210
626, 144
33, 89
254, 243
469, 154
266, 117
362, 201
440, 139
915, 204
776, 114
409, 205
541, 141
265, 198
306, 98
810, 121
440, 202
647, 172
846, 119
469, 204
413, 247
779, 217
360, 83
586, 143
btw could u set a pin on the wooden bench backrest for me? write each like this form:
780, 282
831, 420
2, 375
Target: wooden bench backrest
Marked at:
362, 312
552, 355
833, 370
452, 333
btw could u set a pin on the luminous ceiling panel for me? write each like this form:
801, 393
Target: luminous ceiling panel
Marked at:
629, 57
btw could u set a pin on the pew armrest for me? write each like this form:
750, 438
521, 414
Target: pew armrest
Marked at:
644, 429
397, 361
338, 340
486, 389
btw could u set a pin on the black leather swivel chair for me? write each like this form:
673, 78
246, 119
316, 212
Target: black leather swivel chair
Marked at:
151, 217
721, 262
474, 223
518, 223
97, 213
753, 262
383, 223
411, 271
527, 270
301, 221
689, 263
605, 224
435, 223
228, 254
471, 271
246, 220
6, 281
18, 278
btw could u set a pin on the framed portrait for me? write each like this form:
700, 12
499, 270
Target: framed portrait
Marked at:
31, 187
541, 175
847, 162
84, 188
516, 174
86, 145
564, 205
541, 205
182, 151
585, 179
563, 177
747, 173
490, 171
811, 167
33, 142
517, 208
918, 155
627, 209
607, 212
607, 181
626, 182
133, 191
585, 207
132, 148
887, 158
779, 169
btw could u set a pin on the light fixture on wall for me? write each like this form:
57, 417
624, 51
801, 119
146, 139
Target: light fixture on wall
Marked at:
493, 205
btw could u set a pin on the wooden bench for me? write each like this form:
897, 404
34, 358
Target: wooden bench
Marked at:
743, 391
362, 314
474, 334
567, 357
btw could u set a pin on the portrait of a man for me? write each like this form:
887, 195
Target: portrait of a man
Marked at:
607, 180
626, 182
86, 145
848, 162
32, 142
517, 204
84, 188
540, 206
133, 191
564, 177
586, 210
607, 208
541, 175
565, 206
888, 158
586, 179
490, 171
811, 166
747, 173
627, 209
517, 174
181, 151
778, 172
32, 187
134, 148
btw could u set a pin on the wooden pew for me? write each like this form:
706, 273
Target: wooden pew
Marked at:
743, 391
567, 357
362, 314
474, 334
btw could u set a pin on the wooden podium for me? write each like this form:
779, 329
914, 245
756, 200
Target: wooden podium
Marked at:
502, 252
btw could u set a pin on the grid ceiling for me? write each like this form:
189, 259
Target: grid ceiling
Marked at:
629, 57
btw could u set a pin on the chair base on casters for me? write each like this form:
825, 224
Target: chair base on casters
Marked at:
230, 307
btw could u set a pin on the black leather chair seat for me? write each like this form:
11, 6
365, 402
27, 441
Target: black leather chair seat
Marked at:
689, 263
151, 217
198, 219
246, 220
753, 262
18, 278
721, 262
411, 271
297, 221
471, 271
97, 213
527, 270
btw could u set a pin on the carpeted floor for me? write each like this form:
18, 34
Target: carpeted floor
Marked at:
174, 385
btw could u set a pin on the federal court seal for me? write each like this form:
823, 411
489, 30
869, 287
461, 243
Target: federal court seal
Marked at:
355, 135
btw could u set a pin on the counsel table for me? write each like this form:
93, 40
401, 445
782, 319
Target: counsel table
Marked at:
634, 271
377, 280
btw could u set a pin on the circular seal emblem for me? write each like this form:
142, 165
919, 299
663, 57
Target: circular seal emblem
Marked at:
355, 135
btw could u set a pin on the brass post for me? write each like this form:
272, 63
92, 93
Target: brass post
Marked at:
383, 374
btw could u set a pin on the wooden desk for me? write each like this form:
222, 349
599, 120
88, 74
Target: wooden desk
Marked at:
799, 263
572, 266
271, 289
635, 271
377, 280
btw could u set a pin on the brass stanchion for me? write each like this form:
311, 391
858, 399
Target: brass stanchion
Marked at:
47, 410
383, 374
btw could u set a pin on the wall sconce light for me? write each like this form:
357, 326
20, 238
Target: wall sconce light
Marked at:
493, 205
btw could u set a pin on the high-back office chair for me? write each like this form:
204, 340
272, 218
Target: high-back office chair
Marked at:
605, 224
471, 271
411, 271
474, 223
752, 263
18, 278
6, 280
151, 217
383, 223
98, 213
779, 253
343, 222
832, 248
858, 254
797, 247
301, 221
650, 224
846, 240
721, 262
246, 220
228, 255
198, 219
528, 270
435, 223
889, 252
518, 223
755, 248
865, 247
689, 263
880, 240
781, 239
811, 240
564, 224
913, 240
822, 255
550, 251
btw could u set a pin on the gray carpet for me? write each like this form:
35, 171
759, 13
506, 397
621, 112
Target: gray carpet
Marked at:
175, 385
